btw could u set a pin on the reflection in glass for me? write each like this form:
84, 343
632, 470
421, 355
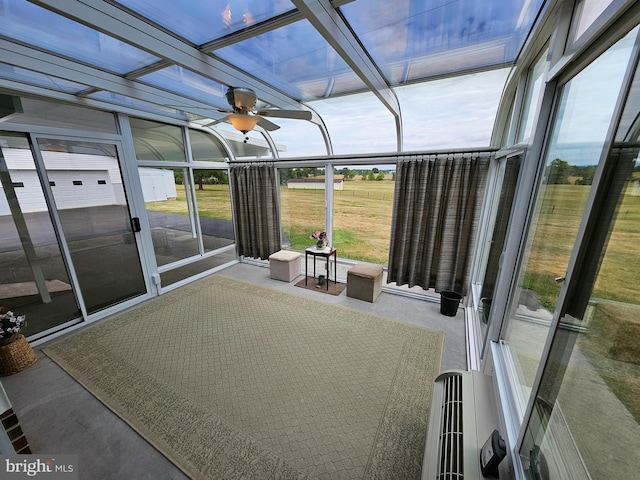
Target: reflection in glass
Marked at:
12, 72
33, 276
593, 370
181, 80
245, 147
170, 208
213, 202
573, 155
587, 11
37, 26
206, 20
93, 211
410, 39
301, 205
297, 59
506, 182
532, 94
363, 206
154, 141
205, 147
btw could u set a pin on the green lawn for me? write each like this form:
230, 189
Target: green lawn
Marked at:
362, 222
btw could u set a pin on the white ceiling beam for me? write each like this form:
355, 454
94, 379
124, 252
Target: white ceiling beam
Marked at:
115, 22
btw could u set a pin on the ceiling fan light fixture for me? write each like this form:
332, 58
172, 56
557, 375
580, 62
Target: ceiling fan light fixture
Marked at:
243, 121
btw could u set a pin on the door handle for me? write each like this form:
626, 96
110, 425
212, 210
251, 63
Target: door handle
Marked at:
135, 224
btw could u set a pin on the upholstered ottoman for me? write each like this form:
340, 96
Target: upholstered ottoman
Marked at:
364, 282
285, 265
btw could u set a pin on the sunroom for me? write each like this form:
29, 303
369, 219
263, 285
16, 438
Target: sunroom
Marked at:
486, 148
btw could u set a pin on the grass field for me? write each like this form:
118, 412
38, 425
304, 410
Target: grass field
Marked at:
362, 223
555, 233
362, 218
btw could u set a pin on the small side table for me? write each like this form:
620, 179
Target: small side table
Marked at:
321, 252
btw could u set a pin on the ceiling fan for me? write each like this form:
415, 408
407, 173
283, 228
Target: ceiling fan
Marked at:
243, 117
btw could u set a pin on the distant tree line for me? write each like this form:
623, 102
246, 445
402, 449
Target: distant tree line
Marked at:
558, 172
203, 177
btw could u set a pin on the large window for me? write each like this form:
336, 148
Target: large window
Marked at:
585, 420
302, 205
583, 117
363, 204
187, 200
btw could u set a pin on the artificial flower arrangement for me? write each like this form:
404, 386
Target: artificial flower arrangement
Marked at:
10, 323
320, 238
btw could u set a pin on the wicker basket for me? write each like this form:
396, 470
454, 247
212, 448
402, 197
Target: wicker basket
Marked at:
15, 355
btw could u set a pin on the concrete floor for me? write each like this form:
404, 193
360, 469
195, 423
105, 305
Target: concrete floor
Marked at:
59, 416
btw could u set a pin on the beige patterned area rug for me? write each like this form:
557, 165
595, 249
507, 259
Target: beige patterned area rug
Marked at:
231, 380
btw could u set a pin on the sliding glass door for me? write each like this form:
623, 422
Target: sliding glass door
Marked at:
67, 246
91, 204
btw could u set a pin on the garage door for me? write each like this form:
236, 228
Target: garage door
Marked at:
80, 188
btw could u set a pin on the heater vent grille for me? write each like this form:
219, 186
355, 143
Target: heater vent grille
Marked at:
451, 444
462, 416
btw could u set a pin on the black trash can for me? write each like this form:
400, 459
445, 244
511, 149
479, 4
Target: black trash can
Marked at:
449, 302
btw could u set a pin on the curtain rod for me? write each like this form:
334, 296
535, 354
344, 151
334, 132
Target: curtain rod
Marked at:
378, 157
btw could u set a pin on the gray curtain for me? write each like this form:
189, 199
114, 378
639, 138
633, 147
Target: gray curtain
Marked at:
256, 212
436, 210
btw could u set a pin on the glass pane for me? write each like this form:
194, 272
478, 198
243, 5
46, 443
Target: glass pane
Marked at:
347, 120
587, 11
33, 275
487, 275
297, 59
139, 105
92, 205
169, 204
54, 114
455, 112
154, 141
579, 133
205, 147
586, 420
11, 72
296, 138
301, 205
411, 39
535, 84
251, 146
183, 81
186, 271
26, 22
214, 208
205, 20
363, 204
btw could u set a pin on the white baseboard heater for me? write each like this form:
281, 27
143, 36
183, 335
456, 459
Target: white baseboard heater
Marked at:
462, 417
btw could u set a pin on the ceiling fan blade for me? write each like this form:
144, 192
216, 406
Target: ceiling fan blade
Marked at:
297, 114
267, 125
214, 122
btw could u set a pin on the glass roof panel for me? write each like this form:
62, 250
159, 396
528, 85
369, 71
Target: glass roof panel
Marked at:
295, 59
457, 112
358, 124
9, 72
200, 21
180, 80
413, 39
125, 101
28, 23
